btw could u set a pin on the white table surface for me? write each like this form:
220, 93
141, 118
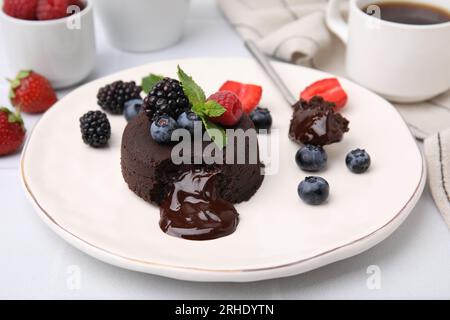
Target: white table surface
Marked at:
36, 263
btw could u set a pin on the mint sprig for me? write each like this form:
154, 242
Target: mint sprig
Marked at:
203, 109
216, 133
213, 109
149, 82
193, 92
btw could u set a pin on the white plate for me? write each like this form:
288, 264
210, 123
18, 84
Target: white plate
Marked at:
80, 193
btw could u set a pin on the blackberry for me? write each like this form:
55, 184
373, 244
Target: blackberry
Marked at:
112, 97
95, 128
166, 98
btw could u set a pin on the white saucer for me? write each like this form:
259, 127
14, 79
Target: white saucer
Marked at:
80, 193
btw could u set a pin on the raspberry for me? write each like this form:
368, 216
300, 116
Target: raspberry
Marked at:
233, 108
54, 9
21, 9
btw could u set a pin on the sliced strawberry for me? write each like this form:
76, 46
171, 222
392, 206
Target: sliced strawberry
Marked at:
329, 89
249, 94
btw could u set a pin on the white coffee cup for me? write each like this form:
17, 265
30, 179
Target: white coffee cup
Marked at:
402, 62
143, 25
63, 50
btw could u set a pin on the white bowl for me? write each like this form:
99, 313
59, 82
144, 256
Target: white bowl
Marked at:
57, 49
143, 25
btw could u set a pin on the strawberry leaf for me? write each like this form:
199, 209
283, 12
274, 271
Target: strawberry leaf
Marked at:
11, 94
15, 83
193, 92
23, 74
5, 110
213, 109
149, 82
216, 133
13, 117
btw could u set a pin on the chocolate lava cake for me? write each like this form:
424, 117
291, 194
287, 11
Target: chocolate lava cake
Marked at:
148, 169
315, 122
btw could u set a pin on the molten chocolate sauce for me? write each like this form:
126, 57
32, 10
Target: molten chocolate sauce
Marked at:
193, 209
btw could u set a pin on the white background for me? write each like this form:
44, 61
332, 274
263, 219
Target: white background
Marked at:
35, 263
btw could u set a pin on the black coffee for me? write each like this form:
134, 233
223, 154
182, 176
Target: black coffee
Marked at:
409, 12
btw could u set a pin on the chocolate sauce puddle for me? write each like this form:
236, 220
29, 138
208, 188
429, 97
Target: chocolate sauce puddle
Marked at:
193, 209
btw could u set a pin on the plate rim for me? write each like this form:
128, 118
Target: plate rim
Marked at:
225, 275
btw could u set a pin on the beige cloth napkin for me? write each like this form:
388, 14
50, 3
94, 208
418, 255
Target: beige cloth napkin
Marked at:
295, 31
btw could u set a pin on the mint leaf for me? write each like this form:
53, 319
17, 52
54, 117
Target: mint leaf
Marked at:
194, 93
198, 110
213, 109
203, 108
149, 82
216, 133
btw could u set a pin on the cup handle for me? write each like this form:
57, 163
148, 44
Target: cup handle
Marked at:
335, 21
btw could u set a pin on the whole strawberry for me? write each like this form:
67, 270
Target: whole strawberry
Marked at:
54, 9
31, 92
21, 9
12, 131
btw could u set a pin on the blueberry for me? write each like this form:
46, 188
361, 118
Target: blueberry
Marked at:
132, 108
314, 190
162, 128
187, 120
261, 118
311, 158
358, 161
